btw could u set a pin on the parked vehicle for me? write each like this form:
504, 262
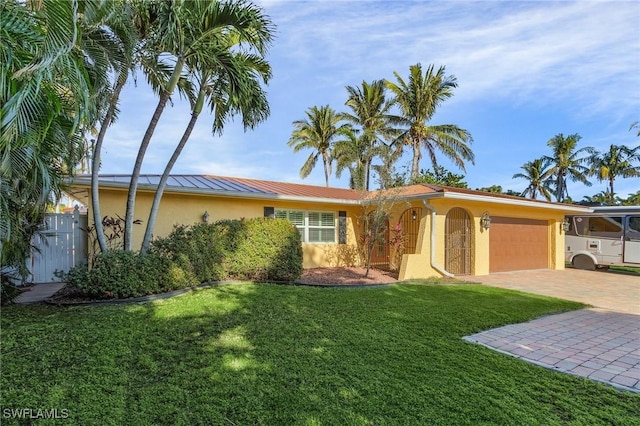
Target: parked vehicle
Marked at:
610, 236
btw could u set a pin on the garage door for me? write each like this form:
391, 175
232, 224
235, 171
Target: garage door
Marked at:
517, 244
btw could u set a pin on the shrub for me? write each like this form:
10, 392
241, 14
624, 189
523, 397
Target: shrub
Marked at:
122, 274
255, 249
269, 250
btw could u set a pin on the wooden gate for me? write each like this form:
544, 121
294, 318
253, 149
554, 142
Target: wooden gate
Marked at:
458, 242
59, 246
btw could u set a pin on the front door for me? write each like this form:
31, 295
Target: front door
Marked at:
632, 240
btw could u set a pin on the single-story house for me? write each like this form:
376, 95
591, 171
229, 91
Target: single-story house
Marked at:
444, 231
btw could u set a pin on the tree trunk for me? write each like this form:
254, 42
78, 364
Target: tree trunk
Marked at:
135, 175
612, 199
415, 163
153, 214
326, 170
95, 164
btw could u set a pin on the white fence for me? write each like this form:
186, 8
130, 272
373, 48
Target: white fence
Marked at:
61, 245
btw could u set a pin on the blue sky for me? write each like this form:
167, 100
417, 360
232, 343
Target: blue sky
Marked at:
526, 71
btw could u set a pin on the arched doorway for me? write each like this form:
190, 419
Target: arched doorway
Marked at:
410, 223
459, 244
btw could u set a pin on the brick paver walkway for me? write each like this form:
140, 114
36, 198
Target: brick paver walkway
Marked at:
594, 343
602, 343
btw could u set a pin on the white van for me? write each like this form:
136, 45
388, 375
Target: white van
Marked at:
610, 236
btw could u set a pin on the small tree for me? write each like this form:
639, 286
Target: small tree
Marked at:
377, 209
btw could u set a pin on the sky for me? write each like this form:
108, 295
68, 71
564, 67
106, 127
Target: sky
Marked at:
526, 71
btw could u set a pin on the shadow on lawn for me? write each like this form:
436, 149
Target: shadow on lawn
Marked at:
267, 354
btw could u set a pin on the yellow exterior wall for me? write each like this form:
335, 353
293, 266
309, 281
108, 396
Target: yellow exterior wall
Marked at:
419, 265
186, 209
180, 208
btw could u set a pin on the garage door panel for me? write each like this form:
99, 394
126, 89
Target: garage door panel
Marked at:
517, 244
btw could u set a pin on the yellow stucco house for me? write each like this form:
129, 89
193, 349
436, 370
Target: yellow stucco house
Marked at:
444, 231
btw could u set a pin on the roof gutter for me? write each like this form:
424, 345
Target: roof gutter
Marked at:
434, 265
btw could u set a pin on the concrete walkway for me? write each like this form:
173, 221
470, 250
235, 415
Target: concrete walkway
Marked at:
601, 343
39, 292
594, 343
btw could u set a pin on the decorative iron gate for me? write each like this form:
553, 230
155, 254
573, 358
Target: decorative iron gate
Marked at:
410, 222
61, 245
458, 242
380, 255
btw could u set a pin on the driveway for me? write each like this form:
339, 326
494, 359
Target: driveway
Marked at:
612, 291
601, 343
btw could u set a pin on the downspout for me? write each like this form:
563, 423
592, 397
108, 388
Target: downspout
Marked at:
434, 265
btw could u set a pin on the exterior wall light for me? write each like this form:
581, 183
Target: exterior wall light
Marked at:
485, 220
413, 215
565, 225
205, 217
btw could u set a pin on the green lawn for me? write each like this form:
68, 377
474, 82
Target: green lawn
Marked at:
265, 354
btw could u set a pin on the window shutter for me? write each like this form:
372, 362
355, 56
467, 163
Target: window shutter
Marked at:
342, 227
270, 212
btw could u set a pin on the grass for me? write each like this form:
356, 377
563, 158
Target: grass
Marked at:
252, 354
625, 269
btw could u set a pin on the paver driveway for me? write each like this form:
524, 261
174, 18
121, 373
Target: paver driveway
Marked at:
608, 290
601, 343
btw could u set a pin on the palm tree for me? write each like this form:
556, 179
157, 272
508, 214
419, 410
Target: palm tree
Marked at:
349, 153
122, 40
567, 163
51, 72
225, 100
316, 132
370, 112
182, 32
418, 100
538, 173
619, 161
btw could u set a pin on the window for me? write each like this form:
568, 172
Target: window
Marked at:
605, 226
314, 227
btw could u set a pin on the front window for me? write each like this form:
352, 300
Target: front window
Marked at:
314, 227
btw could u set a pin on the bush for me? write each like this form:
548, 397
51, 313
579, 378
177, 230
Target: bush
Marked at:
255, 249
122, 274
8, 292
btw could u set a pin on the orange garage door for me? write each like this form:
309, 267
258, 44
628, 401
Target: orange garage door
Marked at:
516, 244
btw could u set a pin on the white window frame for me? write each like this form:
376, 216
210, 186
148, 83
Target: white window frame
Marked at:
304, 229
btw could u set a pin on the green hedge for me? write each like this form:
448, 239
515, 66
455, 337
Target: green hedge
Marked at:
253, 249
122, 274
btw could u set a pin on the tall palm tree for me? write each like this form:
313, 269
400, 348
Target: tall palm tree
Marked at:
567, 163
181, 32
51, 72
122, 39
225, 100
317, 132
370, 112
350, 153
618, 161
538, 174
418, 100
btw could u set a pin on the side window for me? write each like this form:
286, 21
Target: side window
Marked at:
634, 224
599, 226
